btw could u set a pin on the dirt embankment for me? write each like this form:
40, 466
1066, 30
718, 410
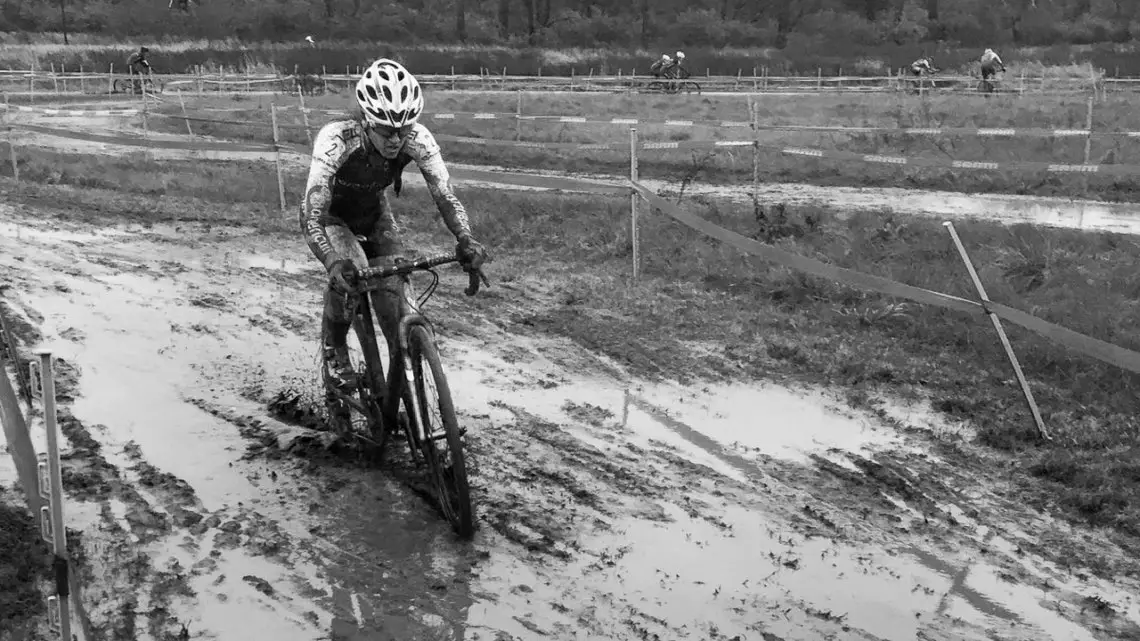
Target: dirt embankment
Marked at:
607, 503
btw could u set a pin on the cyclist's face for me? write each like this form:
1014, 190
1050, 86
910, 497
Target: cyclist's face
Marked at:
388, 140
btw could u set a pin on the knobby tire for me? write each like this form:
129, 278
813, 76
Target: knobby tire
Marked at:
452, 489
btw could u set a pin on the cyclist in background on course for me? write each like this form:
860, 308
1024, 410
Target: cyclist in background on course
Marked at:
991, 64
923, 65
658, 68
345, 215
676, 68
136, 64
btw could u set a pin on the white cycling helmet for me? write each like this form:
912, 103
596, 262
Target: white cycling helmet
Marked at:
680, 55
665, 57
389, 95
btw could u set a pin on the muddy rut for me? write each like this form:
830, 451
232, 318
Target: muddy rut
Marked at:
608, 506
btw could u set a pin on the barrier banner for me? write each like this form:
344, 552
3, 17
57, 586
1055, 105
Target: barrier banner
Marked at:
1087, 345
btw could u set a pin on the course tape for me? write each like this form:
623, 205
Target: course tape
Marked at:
54, 111
517, 179
882, 159
140, 142
1002, 132
1096, 348
887, 159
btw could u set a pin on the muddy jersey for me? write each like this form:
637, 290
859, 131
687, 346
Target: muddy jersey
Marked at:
348, 179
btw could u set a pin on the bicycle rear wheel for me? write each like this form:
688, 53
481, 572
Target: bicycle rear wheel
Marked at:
443, 439
123, 86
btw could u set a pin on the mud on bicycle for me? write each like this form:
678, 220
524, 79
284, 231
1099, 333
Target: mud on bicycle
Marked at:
414, 378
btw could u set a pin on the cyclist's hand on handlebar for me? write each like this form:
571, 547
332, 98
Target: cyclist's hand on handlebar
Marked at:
471, 253
342, 276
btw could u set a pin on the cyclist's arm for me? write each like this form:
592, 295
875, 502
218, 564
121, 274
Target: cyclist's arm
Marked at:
334, 143
425, 151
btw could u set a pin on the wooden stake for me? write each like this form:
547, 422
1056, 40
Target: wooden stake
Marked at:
11, 143
1028, 393
189, 131
304, 115
633, 201
277, 157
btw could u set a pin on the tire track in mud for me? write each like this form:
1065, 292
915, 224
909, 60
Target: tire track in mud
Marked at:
604, 507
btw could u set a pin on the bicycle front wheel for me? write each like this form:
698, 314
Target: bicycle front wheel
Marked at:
442, 444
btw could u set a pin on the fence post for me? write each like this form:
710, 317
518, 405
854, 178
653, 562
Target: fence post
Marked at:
633, 201
1040, 424
55, 534
1088, 127
11, 143
32, 83
198, 78
324, 83
518, 116
819, 78
82, 81
754, 117
54, 80
185, 117
277, 156
111, 79
304, 115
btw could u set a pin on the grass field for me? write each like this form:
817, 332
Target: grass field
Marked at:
734, 166
702, 311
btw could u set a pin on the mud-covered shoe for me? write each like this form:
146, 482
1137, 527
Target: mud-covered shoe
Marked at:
339, 368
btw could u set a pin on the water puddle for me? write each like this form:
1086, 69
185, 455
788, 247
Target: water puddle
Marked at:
717, 426
744, 576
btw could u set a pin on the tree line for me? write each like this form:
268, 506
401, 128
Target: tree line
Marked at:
852, 24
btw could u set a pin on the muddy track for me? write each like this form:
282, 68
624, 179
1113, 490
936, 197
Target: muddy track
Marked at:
608, 504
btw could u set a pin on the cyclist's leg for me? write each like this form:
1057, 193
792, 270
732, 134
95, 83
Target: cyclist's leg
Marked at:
340, 308
381, 247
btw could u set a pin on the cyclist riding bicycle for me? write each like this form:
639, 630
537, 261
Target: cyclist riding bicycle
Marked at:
136, 64
658, 68
923, 65
345, 216
991, 64
675, 70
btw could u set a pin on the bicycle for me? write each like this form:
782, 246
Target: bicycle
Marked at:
413, 376
676, 81
134, 85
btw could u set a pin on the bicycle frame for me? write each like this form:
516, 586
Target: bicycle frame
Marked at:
400, 385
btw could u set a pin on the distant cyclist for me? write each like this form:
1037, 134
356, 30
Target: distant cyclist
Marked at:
659, 68
137, 64
922, 66
677, 69
991, 64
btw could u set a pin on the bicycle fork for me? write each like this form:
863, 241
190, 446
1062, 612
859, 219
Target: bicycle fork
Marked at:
416, 411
